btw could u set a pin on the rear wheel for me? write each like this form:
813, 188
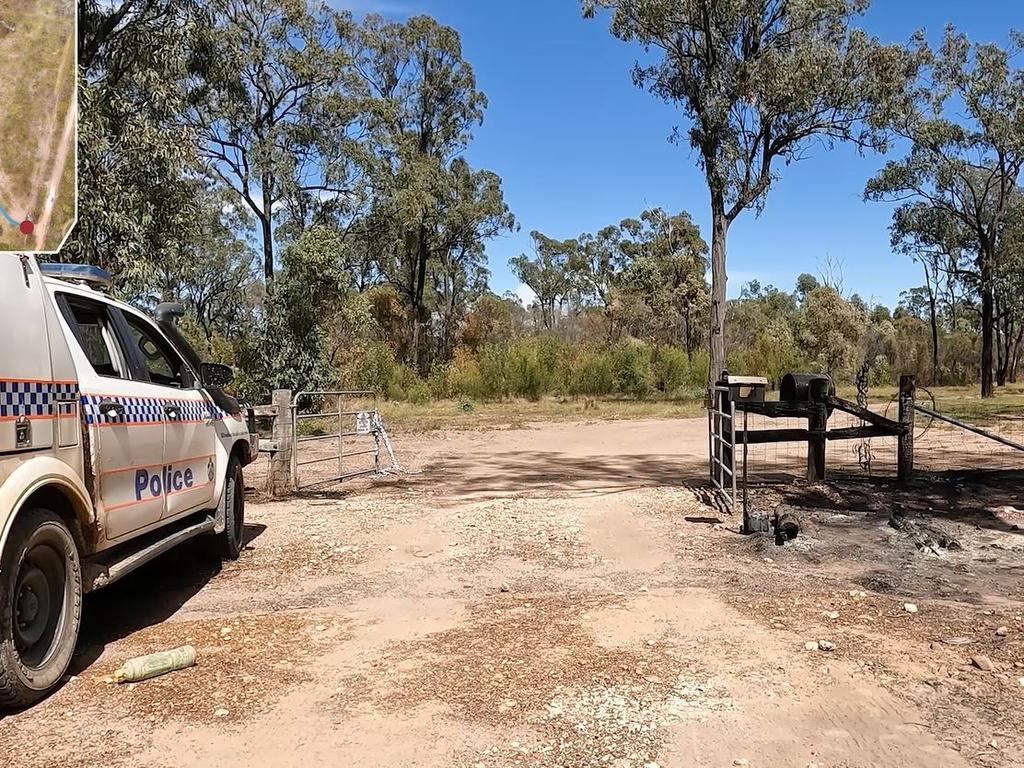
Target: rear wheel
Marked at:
232, 540
40, 607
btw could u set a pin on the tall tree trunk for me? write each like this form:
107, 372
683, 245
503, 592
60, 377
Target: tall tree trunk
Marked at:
688, 331
987, 325
719, 233
1002, 344
1015, 360
420, 315
267, 231
933, 310
933, 313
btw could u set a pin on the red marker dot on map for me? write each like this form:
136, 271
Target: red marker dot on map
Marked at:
26, 227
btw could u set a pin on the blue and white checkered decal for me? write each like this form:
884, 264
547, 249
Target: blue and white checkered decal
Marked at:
148, 410
35, 399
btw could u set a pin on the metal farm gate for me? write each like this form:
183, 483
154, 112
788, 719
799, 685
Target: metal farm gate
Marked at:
337, 436
722, 445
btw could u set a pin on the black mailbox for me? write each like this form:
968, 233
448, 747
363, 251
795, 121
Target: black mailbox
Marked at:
806, 387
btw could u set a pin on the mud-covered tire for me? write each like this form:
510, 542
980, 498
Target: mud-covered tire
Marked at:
231, 541
40, 607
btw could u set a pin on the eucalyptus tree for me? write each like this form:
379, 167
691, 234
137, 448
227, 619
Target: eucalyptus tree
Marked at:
429, 206
599, 264
758, 82
550, 274
472, 210
666, 260
137, 198
275, 103
966, 131
938, 243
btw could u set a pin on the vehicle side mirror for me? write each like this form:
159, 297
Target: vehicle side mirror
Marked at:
215, 375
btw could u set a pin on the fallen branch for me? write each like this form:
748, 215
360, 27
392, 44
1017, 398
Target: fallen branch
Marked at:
924, 536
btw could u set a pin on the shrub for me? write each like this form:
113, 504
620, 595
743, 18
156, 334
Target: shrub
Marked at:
464, 375
632, 366
698, 371
590, 372
402, 382
527, 374
439, 381
494, 371
671, 369
375, 367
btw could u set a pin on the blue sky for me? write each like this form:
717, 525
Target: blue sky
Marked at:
579, 146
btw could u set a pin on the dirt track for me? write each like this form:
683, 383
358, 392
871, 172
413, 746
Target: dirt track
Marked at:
559, 596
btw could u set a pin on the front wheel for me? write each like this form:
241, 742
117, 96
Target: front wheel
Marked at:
40, 607
232, 540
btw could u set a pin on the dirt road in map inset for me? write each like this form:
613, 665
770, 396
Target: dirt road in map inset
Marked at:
38, 153
64, 153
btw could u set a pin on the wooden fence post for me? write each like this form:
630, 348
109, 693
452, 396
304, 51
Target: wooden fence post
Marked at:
905, 442
280, 480
816, 446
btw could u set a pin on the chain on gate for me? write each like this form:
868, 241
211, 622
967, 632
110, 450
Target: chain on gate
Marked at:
864, 455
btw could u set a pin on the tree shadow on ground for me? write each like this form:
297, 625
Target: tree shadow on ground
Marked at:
149, 596
521, 472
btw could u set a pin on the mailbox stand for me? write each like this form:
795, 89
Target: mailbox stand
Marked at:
730, 395
801, 395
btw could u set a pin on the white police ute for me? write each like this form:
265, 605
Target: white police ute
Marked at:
116, 443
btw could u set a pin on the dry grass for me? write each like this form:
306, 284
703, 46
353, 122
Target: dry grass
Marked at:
511, 414
243, 665
961, 402
511, 666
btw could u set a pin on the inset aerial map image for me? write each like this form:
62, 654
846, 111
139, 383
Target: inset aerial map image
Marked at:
38, 121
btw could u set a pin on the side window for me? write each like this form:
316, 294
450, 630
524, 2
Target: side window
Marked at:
94, 330
164, 365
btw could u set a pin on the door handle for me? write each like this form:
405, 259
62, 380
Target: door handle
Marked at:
172, 411
111, 409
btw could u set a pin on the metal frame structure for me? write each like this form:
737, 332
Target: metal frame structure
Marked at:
722, 444
341, 414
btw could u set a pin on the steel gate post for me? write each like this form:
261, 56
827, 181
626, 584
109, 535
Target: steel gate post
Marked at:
341, 436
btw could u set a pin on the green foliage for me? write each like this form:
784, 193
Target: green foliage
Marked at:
774, 351
274, 105
528, 374
216, 136
137, 203
549, 274
590, 372
632, 370
956, 187
830, 332
758, 82
283, 351
465, 376
431, 212
671, 369
376, 368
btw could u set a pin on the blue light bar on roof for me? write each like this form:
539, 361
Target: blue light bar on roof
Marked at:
78, 273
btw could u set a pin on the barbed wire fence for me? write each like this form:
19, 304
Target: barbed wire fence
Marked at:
991, 442
939, 447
